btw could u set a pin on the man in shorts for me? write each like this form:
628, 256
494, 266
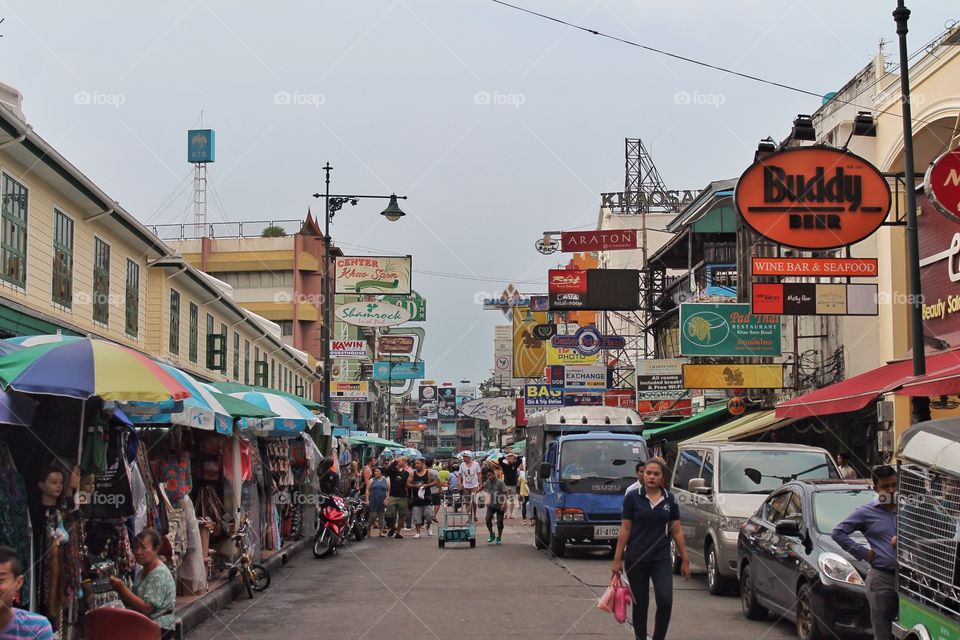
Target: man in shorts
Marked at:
470, 481
398, 510
510, 466
434, 493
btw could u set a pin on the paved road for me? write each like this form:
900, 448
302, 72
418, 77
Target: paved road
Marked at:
412, 589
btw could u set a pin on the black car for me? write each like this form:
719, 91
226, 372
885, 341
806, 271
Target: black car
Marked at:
791, 566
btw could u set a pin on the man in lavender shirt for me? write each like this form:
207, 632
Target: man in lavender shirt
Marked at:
877, 521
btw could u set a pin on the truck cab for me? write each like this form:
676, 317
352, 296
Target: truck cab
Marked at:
580, 462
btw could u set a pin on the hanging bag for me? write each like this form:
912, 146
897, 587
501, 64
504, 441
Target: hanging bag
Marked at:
606, 600
622, 598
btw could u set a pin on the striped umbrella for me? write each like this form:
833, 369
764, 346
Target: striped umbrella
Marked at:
88, 367
292, 418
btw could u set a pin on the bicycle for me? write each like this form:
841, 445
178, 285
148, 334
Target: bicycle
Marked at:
253, 575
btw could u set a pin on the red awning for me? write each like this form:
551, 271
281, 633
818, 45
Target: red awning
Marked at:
852, 394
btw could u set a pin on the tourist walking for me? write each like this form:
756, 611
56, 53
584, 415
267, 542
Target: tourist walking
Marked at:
418, 485
470, 481
454, 489
510, 466
877, 521
397, 502
650, 518
495, 495
434, 494
524, 492
376, 497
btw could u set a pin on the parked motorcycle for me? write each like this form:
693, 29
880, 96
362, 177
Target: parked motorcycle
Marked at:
359, 527
333, 514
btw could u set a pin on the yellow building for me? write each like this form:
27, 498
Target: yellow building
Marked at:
73, 260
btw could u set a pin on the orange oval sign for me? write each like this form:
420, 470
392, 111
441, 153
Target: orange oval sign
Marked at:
813, 198
736, 406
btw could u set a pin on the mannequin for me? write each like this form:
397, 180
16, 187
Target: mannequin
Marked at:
49, 535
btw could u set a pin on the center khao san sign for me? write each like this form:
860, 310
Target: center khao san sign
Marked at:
813, 198
373, 274
727, 330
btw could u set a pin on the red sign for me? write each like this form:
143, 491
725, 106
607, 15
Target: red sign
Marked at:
839, 267
736, 406
939, 272
598, 240
566, 281
813, 198
395, 344
942, 184
656, 409
619, 398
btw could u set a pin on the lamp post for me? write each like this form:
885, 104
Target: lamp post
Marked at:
332, 204
901, 15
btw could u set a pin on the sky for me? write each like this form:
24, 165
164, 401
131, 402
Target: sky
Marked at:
496, 124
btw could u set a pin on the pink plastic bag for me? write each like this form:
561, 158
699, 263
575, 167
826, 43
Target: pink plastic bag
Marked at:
606, 600
622, 598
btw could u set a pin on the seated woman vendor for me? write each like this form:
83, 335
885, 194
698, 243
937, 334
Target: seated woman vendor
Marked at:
154, 591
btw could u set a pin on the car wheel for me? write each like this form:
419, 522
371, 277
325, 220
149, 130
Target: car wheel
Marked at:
675, 557
748, 597
558, 546
808, 627
539, 537
717, 585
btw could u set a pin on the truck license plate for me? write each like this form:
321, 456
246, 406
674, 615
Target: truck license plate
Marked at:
600, 533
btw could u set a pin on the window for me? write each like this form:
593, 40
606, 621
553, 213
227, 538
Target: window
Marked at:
286, 328
101, 281
194, 319
774, 507
206, 338
688, 467
707, 472
246, 362
13, 241
273, 373
761, 471
236, 356
62, 259
132, 299
607, 459
174, 345
794, 509
223, 332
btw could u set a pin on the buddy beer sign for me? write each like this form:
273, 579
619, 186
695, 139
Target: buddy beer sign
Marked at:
813, 198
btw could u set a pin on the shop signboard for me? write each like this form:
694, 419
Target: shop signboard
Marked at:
413, 437
594, 289
371, 313
467, 392
428, 402
447, 403
594, 378
941, 183
561, 355
733, 376
340, 349
588, 341
939, 239
816, 267
567, 288
529, 354
412, 425
393, 370
605, 240
660, 389
727, 329
414, 303
373, 275
619, 398
811, 299
353, 391
542, 395
813, 198
582, 399
395, 344
448, 428
497, 411
656, 409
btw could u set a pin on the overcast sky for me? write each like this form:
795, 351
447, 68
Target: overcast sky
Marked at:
498, 125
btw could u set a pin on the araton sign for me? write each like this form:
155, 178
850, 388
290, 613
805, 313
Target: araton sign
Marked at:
813, 198
372, 314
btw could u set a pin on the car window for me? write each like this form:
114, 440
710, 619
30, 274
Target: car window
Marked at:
688, 468
794, 507
830, 508
763, 470
707, 472
774, 507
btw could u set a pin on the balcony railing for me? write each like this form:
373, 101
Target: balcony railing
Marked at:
241, 229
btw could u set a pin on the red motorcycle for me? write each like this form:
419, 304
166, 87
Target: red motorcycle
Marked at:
333, 515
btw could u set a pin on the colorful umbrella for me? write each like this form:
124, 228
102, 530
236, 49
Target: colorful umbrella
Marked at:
235, 387
17, 409
88, 367
32, 341
292, 418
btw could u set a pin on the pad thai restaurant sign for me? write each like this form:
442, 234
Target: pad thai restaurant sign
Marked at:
939, 272
813, 198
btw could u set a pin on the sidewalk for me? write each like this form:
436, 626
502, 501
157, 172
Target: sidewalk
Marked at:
191, 611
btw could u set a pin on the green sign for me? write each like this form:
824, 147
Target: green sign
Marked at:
727, 329
414, 303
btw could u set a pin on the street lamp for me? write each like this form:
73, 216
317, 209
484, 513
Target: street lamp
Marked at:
332, 204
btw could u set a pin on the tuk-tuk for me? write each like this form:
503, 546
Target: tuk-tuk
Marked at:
928, 531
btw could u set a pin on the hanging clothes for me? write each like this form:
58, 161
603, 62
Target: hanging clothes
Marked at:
15, 525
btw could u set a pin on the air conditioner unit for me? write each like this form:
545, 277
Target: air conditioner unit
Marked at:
885, 411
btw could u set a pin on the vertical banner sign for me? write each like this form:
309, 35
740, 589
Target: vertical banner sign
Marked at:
529, 354
428, 402
567, 288
447, 403
727, 329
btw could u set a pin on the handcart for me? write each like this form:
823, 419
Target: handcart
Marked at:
456, 525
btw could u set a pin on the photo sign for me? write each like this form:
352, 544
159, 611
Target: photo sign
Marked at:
813, 198
373, 274
727, 329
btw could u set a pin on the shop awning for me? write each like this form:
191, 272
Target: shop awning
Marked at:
374, 440
853, 394
704, 418
743, 427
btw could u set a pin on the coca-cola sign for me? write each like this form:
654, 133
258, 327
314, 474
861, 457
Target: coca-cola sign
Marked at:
606, 240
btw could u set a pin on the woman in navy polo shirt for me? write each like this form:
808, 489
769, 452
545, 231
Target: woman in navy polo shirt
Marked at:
650, 518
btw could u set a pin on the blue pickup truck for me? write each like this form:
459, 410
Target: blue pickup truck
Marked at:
580, 461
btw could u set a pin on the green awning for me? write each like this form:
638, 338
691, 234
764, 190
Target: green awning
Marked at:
240, 408
703, 419
236, 387
374, 440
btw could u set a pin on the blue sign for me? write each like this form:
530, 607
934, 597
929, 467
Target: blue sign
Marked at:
582, 399
542, 395
588, 341
200, 145
391, 370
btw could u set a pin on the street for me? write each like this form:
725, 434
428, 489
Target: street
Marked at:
410, 588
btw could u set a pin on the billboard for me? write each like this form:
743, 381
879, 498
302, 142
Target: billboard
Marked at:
358, 391
542, 395
371, 313
727, 329
447, 403
733, 376
373, 275
529, 354
811, 299
428, 402
659, 388
594, 289
348, 349
398, 370
201, 145
567, 288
